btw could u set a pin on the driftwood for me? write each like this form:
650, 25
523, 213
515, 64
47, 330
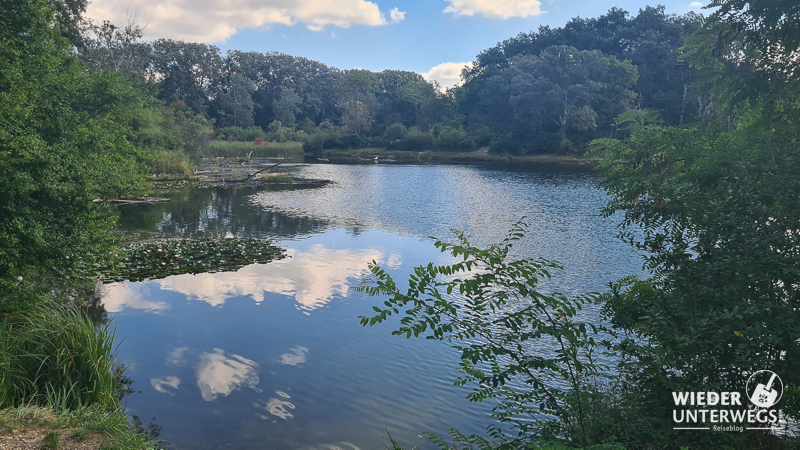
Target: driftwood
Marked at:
262, 170
132, 201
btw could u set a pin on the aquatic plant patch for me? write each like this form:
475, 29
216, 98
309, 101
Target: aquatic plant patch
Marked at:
153, 260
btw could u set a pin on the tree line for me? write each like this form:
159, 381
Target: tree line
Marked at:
550, 90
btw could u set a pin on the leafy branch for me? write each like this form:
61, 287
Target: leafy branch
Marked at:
528, 350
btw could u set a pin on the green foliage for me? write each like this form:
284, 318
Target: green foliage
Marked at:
453, 139
765, 32
249, 134
489, 308
562, 89
152, 260
716, 214
243, 149
112, 424
57, 358
51, 440
417, 140
651, 41
315, 143
63, 140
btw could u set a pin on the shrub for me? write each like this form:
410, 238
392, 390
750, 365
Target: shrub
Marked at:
249, 134
453, 139
417, 140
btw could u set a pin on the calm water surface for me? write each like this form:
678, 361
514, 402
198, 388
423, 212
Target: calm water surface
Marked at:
273, 356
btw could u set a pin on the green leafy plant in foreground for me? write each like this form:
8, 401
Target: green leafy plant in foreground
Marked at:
152, 260
530, 352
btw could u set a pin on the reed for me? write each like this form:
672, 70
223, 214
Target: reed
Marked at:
243, 149
174, 162
57, 358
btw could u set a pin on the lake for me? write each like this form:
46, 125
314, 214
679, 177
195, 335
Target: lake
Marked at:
273, 355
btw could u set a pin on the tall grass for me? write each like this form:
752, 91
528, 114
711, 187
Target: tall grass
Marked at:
171, 162
57, 358
239, 149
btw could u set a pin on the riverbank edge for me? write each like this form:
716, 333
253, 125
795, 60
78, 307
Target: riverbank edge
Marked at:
35, 427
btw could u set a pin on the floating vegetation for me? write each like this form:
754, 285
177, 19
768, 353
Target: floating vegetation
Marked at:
153, 260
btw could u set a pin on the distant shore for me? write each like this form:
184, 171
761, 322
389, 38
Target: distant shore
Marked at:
480, 156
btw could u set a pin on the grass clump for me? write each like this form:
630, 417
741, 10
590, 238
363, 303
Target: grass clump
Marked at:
51, 440
171, 162
93, 423
58, 358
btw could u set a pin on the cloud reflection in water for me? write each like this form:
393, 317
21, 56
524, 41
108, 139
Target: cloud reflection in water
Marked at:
313, 278
161, 385
298, 356
218, 375
122, 295
276, 407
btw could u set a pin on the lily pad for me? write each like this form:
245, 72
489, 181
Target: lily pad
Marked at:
153, 260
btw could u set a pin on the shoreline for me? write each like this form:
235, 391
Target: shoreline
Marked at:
370, 155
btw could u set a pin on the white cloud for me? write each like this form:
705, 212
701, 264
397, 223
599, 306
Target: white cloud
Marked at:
504, 9
215, 21
696, 6
446, 74
396, 15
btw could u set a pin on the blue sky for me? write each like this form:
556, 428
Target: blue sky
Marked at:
434, 37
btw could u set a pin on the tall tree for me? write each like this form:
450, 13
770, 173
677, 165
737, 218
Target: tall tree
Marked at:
63, 139
562, 89
651, 41
185, 71
233, 105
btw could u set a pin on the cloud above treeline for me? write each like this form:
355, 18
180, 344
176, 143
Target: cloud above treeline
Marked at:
446, 74
216, 21
504, 9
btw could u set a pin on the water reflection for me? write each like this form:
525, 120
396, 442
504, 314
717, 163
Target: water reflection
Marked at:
176, 357
122, 295
161, 385
298, 356
276, 407
215, 212
312, 278
357, 381
219, 375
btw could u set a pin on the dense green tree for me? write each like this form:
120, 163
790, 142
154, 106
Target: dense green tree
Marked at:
69, 18
651, 41
185, 71
63, 139
562, 90
403, 97
716, 211
107, 46
233, 105
286, 107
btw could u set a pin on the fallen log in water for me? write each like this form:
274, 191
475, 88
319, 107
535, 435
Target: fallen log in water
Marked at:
132, 201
